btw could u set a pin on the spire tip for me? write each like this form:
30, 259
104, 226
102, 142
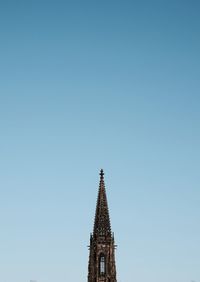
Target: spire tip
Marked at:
101, 173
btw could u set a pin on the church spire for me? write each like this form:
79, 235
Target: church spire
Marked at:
101, 265
102, 226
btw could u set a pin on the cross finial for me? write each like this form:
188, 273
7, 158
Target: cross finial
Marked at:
101, 173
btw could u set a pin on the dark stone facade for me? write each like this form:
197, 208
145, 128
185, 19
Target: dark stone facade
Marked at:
101, 267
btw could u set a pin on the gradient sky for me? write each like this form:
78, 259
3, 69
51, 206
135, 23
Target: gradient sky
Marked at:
86, 85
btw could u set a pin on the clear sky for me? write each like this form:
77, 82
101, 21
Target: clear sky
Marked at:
86, 85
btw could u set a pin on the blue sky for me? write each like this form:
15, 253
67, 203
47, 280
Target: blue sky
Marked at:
86, 85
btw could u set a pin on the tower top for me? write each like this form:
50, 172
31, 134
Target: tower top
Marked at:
102, 226
101, 265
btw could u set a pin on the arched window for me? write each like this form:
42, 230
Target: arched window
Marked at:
102, 264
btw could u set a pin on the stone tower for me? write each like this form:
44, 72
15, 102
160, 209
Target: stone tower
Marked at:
101, 266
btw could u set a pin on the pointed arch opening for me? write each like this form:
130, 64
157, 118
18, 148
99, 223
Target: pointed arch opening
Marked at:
102, 265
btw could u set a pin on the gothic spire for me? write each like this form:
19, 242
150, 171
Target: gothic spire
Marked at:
101, 265
102, 226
